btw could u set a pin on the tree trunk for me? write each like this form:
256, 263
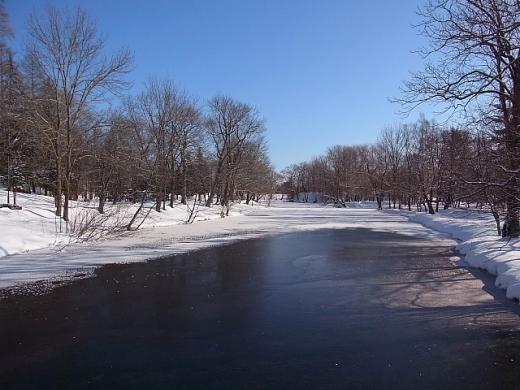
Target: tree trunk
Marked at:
429, 204
497, 221
134, 217
184, 186
512, 223
449, 200
158, 202
512, 142
116, 194
58, 189
102, 199
66, 202
379, 203
224, 201
68, 169
164, 192
172, 190
214, 184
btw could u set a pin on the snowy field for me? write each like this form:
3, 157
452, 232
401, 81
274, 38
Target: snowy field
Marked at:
36, 226
164, 234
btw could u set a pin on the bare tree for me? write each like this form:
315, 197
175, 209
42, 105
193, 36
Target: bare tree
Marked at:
230, 125
11, 107
393, 141
153, 111
68, 51
186, 137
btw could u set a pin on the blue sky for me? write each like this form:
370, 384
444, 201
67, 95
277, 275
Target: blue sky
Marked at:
320, 72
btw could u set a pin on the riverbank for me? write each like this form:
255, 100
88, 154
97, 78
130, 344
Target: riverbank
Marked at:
478, 241
35, 225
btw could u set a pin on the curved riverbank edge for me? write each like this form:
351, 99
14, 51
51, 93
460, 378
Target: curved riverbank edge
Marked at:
478, 241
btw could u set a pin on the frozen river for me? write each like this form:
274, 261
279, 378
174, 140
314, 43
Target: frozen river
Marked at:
329, 308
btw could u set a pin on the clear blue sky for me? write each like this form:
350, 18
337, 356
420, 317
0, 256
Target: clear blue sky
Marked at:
320, 72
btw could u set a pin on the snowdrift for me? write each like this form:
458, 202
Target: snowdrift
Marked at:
480, 244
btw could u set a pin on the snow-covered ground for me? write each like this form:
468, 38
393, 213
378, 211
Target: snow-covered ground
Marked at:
165, 234
479, 242
37, 227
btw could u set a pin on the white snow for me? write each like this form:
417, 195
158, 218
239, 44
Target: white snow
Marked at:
36, 226
31, 228
165, 234
479, 242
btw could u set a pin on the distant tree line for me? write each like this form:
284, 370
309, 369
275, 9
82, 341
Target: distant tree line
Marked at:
61, 132
414, 166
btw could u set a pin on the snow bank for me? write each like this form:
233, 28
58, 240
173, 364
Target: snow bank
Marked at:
36, 226
33, 227
361, 205
480, 244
